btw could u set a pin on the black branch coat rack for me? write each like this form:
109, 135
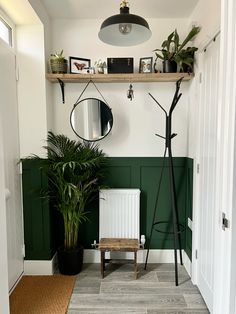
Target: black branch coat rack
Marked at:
177, 227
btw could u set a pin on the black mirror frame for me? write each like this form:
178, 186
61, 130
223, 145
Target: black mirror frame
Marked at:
84, 139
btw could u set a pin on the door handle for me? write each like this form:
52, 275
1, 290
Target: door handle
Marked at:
225, 222
7, 194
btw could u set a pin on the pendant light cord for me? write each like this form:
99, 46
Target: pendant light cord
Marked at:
124, 4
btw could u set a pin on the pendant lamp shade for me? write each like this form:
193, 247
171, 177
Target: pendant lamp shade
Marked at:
124, 29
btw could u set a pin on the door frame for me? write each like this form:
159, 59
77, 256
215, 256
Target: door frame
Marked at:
196, 182
4, 294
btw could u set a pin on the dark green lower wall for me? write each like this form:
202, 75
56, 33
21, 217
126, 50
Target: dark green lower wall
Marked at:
43, 229
38, 220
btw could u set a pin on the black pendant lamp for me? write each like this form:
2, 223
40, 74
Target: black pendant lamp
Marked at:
124, 29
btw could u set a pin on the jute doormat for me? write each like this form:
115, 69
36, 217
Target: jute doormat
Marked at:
42, 295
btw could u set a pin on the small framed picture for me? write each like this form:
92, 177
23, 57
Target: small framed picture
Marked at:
145, 65
79, 65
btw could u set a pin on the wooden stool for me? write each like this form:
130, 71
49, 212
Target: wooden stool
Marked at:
118, 244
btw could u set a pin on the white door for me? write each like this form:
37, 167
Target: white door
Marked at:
207, 170
225, 248
10, 138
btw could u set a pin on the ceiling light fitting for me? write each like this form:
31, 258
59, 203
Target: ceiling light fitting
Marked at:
124, 29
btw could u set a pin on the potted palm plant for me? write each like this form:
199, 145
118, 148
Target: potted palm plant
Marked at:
58, 63
74, 170
174, 54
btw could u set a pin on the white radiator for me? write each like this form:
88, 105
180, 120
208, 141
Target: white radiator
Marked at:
119, 211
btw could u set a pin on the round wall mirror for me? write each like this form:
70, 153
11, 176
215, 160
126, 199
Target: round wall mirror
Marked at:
91, 119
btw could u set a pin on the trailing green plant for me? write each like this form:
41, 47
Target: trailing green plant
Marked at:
173, 50
185, 57
74, 170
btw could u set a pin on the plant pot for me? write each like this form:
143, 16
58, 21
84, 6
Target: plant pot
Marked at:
70, 262
169, 66
58, 65
187, 68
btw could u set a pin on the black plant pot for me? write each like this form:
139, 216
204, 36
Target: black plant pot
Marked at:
187, 68
169, 66
70, 262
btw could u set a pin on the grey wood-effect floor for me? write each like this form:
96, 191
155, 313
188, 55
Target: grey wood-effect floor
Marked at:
154, 292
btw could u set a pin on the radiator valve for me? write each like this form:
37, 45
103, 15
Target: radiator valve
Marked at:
94, 244
142, 241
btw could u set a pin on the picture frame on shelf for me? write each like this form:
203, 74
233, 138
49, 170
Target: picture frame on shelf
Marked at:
145, 65
79, 65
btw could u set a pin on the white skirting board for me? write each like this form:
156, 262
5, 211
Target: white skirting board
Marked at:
187, 264
40, 267
93, 256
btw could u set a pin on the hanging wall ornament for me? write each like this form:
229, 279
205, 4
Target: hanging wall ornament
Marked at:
130, 92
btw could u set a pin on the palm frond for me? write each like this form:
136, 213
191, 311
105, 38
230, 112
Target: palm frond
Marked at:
194, 31
74, 170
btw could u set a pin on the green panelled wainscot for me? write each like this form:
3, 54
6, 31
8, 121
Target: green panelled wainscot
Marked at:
42, 225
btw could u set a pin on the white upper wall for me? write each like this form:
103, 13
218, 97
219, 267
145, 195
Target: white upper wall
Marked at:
45, 20
137, 121
207, 14
31, 89
33, 46
80, 38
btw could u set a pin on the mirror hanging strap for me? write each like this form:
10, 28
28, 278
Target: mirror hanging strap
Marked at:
91, 81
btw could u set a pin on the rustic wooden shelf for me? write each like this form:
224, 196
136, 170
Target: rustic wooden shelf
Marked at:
119, 78
115, 78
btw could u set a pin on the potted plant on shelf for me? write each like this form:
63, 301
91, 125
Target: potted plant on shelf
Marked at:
173, 53
58, 63
168, 51
185, 59
74, 170
101, 66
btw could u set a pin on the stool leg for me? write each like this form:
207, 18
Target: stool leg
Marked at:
102, 263
135, 265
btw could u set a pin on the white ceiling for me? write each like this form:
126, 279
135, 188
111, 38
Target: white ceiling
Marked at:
103, 8
20, 11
